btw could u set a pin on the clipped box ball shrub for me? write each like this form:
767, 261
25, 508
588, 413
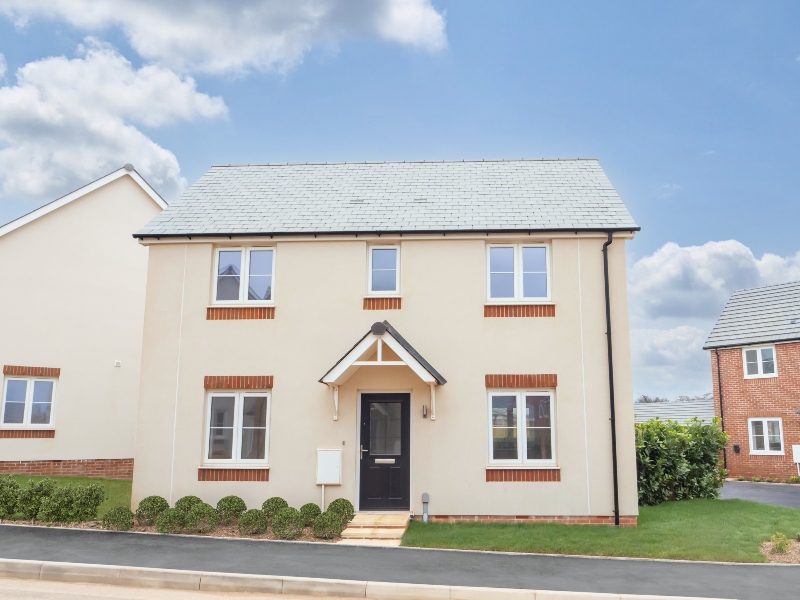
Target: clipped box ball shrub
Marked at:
170, 521
201, 518
230, 509
273, 505
119, 518
343, 508
328, 525
287, 524
253, 522
309, 512
9, 496
31, 496
149, 508
187, 503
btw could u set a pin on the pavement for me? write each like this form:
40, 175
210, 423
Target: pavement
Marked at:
778, 494
402, 565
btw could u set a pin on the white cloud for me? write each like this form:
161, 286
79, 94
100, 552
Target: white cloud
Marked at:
3, 67
67, 121
238, 35
665, 190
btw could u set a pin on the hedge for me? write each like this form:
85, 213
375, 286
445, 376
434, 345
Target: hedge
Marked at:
9, 496
679, 462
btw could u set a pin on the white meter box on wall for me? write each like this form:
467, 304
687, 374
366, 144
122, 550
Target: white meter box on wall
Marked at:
329, 467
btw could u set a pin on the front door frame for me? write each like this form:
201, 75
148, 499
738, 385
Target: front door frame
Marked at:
410, 447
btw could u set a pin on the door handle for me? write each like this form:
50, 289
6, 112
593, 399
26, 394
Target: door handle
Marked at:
362, 451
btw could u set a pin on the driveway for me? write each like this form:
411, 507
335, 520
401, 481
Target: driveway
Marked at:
779, 494
673, 578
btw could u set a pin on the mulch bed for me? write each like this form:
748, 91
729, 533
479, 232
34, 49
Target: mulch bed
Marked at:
790, 557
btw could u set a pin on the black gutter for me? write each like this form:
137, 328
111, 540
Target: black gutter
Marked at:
752, 343
611, 380
721, 411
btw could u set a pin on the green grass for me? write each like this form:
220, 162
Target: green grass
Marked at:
118, 491
720, 530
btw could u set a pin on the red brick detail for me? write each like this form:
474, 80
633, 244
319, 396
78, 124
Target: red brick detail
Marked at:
238, 382
232, 474
523, 475
542, 380
27, 433
239, 313
383, 303
519, 310
113, 468
624, 521
31, 371
768, 397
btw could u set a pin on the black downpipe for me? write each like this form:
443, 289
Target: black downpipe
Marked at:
611, 381
721, 411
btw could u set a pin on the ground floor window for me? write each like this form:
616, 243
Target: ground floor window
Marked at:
28, 401
237, 427
766, 436
521, 427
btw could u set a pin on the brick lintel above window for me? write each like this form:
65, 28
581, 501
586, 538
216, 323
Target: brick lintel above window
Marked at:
238, 382
31, 371
540, 380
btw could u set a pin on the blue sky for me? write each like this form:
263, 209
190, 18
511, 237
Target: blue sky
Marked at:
691, 108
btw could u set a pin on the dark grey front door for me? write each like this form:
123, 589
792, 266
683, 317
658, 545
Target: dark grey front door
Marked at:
385, 452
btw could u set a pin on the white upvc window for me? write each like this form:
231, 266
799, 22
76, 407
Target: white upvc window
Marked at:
518, 273
522, 428
766, 435
237, 428
384, 271
28, 402
244, 275
759, 362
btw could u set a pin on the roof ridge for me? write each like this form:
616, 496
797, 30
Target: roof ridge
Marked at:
392, 162
764, 287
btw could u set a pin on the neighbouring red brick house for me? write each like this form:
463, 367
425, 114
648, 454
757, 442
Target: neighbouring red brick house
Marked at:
755, 365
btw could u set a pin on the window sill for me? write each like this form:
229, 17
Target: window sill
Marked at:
234, 466
549, 466
765, 453
747, 378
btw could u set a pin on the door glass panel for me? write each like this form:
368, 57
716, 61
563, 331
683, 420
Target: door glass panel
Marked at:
16, 390
767, 361
229, 274
504, 427
774, 431
757, 428
751, 358
385, 428
220, 440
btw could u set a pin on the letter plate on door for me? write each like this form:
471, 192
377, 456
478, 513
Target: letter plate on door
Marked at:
384, 461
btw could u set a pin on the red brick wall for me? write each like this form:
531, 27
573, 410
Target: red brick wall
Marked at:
27, 433
532, 380
519, 310
116, 468
239, 313
237, 382
523, 475
768, 397
383, 303
31, 371
624, 521
232, 474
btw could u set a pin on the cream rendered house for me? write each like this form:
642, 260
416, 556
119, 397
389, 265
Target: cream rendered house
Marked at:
392, 330
70, 337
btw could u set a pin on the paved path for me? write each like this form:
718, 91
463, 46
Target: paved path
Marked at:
778, 494
745, 582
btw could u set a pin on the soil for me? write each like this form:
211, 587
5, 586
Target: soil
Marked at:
790, 557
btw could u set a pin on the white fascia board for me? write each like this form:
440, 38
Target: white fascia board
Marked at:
79, 193
412, 362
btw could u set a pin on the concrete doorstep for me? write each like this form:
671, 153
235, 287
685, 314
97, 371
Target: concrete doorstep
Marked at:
273, 584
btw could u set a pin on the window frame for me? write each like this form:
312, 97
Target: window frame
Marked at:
26, 418
518, 298
383, 294
238, 409
760, 374
522, 461
765, 452
244, 279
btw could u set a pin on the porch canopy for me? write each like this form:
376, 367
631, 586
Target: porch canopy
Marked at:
369, 351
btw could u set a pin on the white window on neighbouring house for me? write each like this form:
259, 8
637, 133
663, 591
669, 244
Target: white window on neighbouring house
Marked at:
244, 276
521, 428
384, 270
28, 402
518, 272
759, 362
237, 427
766, 436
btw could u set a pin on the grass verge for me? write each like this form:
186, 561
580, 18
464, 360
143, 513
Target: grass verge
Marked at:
118, 491
719, 530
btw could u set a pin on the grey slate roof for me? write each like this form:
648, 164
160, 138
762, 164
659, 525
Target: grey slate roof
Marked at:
487, 195
758, 315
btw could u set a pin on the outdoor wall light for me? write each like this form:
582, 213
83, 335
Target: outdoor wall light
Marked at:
425, 499
424, 411
736, 448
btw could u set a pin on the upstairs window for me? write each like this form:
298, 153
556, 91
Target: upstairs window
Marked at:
521, 428
28, 402
519, 272
244, 275
384, 270
759, 362
766, 436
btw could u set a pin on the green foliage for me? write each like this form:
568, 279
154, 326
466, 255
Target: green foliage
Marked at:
58, 506
741, 478
287, 524
230, 509
756, 479
344, 508
328, 525
309, 512
201, 518
31, 496
679, 462
87, 500
253, 522
794, 479
119, 518
779, 543
170, 521
9, 496
149, 509
768, 480
273, 505
187, 503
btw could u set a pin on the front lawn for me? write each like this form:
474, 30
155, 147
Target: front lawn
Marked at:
720, 530
118, 491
